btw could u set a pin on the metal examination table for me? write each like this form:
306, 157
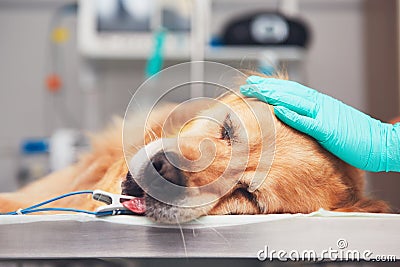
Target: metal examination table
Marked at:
84, 236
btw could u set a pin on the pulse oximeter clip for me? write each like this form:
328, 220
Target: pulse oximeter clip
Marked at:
116, 205
113, 201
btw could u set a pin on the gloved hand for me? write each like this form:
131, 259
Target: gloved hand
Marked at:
351, 135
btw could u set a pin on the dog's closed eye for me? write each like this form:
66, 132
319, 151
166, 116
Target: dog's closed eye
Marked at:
228, 130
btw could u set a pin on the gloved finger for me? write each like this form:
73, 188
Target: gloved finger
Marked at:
280, 86
247, 90
265, 81
290, 87
301, 123
293, 88
295, 103
253, 79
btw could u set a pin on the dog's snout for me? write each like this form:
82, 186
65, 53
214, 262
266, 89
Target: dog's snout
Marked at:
164, 164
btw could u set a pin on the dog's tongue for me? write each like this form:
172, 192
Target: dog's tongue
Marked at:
137, 205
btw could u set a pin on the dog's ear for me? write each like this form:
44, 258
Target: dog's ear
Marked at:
251, 182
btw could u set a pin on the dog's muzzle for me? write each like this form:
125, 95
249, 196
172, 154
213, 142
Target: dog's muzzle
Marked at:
158, 178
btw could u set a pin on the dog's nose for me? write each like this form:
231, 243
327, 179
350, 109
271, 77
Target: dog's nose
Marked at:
164, 165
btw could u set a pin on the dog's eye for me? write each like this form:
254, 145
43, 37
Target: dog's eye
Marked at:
227, 130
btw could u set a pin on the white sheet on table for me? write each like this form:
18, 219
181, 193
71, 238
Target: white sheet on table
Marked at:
206, 221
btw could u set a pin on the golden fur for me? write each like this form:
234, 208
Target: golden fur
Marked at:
302, 178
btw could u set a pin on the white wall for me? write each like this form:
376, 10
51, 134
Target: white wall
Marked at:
335, 62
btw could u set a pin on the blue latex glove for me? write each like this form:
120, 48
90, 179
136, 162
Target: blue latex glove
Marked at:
351, 135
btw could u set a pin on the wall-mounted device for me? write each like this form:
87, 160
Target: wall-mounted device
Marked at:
125, 28
265, 28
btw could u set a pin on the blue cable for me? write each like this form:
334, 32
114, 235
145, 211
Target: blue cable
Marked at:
27, 211
59, 197
33, 208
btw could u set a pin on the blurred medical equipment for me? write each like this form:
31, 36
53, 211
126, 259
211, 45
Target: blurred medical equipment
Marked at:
265, 28
40, 156
159, 31
66, 145
125, 28
32, 160
57, 37
155, 61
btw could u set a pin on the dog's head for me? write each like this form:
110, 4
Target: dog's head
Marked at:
212, 160
237, 158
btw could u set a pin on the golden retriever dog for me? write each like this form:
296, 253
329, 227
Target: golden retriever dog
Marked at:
239, 159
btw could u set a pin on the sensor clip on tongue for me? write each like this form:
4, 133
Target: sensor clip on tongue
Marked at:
118, 204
